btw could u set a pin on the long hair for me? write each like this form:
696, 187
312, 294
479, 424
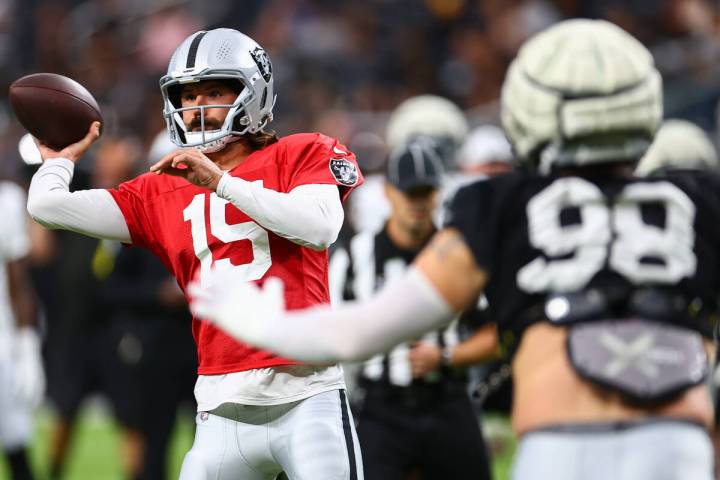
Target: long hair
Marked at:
261, 139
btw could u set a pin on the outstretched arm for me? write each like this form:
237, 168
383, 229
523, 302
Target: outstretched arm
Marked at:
443, 281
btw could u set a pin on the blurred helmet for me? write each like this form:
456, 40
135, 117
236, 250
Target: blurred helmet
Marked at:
581, 92
679, 144
429, 116
29, 152
220, 54
484, 144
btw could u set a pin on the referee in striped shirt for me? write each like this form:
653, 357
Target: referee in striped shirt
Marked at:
415, 419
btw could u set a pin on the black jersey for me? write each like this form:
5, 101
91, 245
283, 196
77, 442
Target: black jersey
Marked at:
537, 236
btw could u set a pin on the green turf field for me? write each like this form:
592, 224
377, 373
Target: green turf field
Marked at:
95, 451
95, 455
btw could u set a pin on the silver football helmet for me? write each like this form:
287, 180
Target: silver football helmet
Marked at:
581, 92
220, 54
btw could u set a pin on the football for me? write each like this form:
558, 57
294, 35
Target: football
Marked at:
53, 108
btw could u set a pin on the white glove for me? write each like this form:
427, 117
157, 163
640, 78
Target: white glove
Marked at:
238, 307
28, 375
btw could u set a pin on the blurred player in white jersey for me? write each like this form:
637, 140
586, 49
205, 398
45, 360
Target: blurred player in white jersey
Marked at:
22, 380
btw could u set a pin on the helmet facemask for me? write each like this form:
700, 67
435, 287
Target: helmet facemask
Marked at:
238, 120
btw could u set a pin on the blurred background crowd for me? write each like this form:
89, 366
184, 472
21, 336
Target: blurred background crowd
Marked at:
340, 68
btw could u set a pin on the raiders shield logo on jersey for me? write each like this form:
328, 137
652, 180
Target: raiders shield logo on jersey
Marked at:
263, 63
344, 171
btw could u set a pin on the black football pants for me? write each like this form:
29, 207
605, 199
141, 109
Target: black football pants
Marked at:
438, 442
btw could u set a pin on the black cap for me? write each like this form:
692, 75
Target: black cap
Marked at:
414, 165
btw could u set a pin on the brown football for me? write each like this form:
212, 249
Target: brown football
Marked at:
55, 109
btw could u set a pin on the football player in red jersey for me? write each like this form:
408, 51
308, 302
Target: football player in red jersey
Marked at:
238, 198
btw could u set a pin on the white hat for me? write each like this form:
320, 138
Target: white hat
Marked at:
484, 144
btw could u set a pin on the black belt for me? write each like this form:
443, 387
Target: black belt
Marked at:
646, 302
414, 396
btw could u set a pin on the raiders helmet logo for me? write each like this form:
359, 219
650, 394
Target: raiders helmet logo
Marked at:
344, 171
263, 63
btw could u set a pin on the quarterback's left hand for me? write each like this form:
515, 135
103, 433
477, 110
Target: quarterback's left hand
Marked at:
238, 307
192, 165
29, 377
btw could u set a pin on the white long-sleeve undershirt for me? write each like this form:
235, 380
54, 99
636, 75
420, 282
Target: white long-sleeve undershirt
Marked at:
91, 212
404, 309
310, 215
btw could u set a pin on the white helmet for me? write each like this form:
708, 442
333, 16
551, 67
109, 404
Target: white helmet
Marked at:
429, 116
679, 144
581, 92
220, 54
486, 143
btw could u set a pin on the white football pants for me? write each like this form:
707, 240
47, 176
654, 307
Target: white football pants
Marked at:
662, 449
312, 439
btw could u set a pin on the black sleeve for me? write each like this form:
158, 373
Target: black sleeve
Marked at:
472, 213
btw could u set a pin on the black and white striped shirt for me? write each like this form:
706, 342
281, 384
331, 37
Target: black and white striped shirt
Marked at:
356, 272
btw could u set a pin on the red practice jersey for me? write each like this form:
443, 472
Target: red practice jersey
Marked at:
191, 229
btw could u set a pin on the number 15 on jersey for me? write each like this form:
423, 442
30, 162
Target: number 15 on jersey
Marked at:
219, 228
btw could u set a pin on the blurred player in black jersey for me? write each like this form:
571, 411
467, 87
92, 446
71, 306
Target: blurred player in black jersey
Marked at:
603, 284
414, 415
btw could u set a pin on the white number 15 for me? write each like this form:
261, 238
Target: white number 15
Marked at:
195, 214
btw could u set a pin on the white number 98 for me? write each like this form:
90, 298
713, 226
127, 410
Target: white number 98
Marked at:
616, 231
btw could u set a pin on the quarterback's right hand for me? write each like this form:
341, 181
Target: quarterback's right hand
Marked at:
238, 307
74, 151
